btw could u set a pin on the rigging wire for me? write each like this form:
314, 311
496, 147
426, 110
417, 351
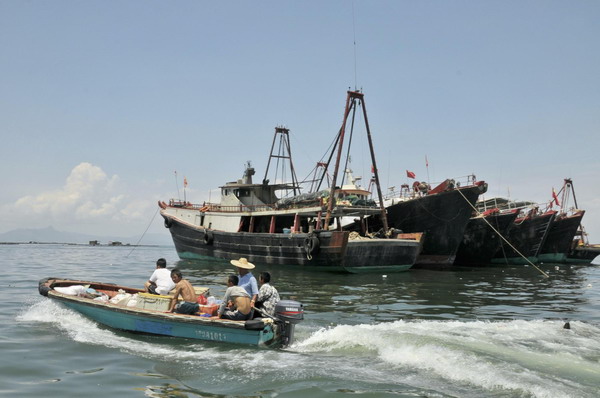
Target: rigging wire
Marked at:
501, 236
141, 237
349, 142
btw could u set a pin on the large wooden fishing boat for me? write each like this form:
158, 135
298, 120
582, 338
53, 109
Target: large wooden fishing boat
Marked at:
526, 237
583, 253
441, 214
85, 298
483, 236
255, 221
567, 222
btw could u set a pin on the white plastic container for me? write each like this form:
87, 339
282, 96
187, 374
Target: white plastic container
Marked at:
153, 302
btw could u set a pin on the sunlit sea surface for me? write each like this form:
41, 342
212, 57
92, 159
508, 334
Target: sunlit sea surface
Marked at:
466, 332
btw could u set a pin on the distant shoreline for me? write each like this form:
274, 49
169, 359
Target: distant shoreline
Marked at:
74, 244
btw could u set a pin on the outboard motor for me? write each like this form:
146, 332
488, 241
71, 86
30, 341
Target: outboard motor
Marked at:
288, 314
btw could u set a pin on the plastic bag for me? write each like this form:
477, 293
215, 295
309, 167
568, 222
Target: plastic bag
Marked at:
74, 290
103, 298
132, 302
121, 298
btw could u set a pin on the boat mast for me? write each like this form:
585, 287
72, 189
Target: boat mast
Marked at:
285, 152
569, 184
351, 103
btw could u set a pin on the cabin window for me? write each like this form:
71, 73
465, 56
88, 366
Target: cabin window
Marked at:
240, 193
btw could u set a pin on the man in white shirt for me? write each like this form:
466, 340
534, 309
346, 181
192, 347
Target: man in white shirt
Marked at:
160, 281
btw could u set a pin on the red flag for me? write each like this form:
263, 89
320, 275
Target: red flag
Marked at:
410, 174
426, 161
184, 182
372, 169
555, 197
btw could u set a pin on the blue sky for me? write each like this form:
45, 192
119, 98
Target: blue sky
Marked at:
101, 101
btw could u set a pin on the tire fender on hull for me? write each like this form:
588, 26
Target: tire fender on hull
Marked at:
43, 288
311, 245
208, 237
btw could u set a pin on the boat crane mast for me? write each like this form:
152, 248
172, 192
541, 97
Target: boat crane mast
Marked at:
353, 99
320, 168
284, 152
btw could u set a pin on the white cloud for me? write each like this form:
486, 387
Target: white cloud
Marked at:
89, 201
88, 194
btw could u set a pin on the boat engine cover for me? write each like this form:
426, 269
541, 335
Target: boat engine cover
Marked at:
289, 311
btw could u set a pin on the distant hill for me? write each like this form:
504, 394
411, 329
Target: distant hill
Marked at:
51, 235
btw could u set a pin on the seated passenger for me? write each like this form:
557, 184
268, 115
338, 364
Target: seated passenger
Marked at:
160, 281
183, 288
245, 277
268, 297
236, 302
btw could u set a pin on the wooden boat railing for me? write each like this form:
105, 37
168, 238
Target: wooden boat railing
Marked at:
218, 208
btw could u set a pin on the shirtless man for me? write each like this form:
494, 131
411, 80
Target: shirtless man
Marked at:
236, 303
184, 289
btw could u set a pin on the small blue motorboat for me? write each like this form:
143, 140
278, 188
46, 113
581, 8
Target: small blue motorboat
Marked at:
273, 332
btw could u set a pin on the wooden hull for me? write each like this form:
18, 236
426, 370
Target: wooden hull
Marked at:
139, 320
442, 218
583, 254
324, 250
480, 242
560, 238
527, 236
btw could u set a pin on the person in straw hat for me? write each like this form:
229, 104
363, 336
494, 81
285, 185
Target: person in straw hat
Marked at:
247, 280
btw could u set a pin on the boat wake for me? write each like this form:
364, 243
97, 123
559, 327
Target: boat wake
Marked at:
83, 330
467, 359
549, 361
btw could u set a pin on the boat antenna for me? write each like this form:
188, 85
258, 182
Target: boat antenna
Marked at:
354, 37
177, 184
427, 167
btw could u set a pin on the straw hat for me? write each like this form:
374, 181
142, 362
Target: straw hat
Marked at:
242, 263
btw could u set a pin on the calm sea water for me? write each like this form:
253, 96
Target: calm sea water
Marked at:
469, 332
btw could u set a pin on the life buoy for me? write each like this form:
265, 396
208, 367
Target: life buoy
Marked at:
168, 223
208, 237
311, 245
